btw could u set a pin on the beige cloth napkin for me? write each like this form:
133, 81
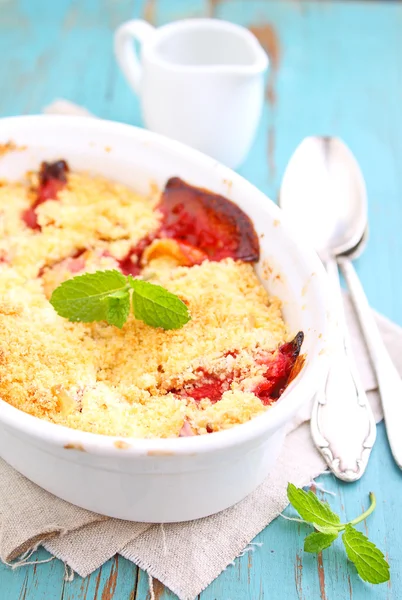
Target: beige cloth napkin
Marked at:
30, 516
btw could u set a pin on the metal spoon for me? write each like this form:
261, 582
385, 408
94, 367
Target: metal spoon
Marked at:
388, 378
326, 199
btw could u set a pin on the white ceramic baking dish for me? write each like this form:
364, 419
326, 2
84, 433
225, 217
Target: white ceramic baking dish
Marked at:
171, 479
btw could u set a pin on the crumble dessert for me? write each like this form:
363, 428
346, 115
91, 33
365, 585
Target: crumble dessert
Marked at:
228, 364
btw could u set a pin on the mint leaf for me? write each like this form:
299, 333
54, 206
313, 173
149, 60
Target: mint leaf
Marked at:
316, 542
367, 558
324, 529
105, 296
82, 297
310, 508
118, 308
156, 306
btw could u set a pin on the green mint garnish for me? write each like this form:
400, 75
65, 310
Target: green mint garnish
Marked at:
153, 304
310, 508
367, 558
118, 308
85, 297
316, 541
106, 296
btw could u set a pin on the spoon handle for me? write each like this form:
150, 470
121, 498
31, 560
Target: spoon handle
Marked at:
388, 378
342, 423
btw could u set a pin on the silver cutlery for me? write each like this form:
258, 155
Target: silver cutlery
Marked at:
388, 378
325, 197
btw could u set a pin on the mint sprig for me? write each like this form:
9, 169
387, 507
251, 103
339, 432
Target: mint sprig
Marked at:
108, 296
369, 561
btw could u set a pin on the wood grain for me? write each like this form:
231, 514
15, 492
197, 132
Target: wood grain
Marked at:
336, 69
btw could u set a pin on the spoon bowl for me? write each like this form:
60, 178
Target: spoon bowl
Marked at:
324, 191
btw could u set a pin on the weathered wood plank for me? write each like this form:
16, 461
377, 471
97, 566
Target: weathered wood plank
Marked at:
337, 70
117, 579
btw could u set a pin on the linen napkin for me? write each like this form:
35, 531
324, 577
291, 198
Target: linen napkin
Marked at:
30, 516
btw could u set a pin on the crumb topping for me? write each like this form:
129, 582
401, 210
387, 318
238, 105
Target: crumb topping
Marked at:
138, 381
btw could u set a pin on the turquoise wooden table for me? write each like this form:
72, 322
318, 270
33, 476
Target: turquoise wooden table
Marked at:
336, 68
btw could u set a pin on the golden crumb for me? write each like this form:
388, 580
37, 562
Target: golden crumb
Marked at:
129, 382
121, 445
75, 446
10, 146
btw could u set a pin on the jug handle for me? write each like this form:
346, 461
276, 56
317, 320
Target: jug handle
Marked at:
126, 56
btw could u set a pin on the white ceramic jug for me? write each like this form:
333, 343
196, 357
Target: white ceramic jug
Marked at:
200, 81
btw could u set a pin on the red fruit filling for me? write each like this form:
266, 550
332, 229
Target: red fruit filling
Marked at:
209, 386
276, 377
75, 264
208, 222
131, 264
52, 179
279, 368
205, 225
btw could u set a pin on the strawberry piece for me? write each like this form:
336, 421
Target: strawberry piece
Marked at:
213, 389
131, 264
74, 264
279, 368
208, 222
30, 218
204, 225
209, 386
52, 179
